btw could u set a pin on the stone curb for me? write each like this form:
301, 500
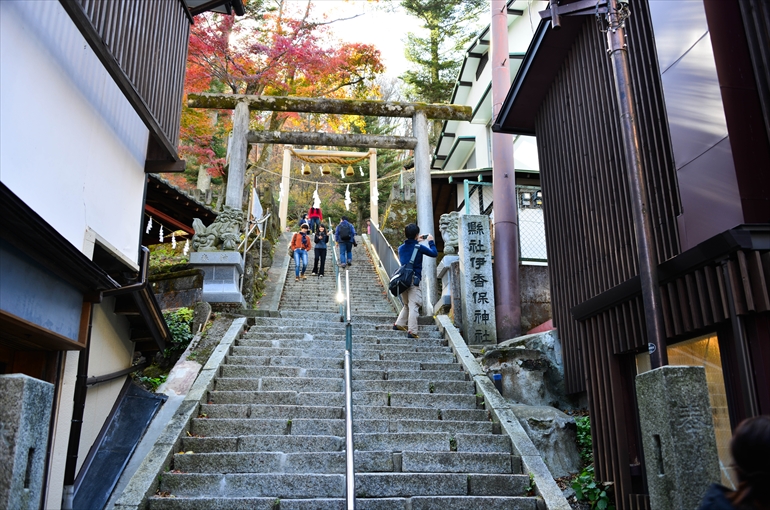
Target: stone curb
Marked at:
532, 462
145, 481
276, 275
384, 277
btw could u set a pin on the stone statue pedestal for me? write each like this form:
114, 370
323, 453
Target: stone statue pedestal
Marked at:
444, 303
221, 275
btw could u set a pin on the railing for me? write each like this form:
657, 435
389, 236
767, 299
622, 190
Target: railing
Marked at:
384, 250
343, 296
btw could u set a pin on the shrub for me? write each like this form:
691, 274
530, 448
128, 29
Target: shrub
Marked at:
586, 487
179, 323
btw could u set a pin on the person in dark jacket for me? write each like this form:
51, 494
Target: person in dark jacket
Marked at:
750, 449
320, 239
412, 297
345, 236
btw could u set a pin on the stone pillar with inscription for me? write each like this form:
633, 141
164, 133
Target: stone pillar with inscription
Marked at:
475, 249
680, 449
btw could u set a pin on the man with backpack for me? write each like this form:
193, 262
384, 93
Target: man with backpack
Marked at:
345, 235
412, 297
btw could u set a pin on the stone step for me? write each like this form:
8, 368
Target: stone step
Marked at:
334, 363
413, 503
416, 386
267, 443
377, 398
224, 427
327, 343
337, 329
278, 462
242, 411
299, 384
230, 411
368, 485
362, 353
312, 384
358, 340
334, 462
249, 371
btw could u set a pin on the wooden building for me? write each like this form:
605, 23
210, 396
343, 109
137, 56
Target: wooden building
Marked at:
700, 80
90, 101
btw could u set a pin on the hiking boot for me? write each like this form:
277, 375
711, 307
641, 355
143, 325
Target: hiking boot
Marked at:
303, 277
396, 327
296, 279
343, 265
350, 263
409, 334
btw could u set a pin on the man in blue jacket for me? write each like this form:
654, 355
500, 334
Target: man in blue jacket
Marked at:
412, 297
345, 235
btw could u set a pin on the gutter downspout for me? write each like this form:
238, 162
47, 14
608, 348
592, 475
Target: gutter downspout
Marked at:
81, 385
506, 225
76, 427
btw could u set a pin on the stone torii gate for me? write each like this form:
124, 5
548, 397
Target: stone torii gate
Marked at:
418, 112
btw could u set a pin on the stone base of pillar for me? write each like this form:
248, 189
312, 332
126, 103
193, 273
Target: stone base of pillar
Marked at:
680, 449
221, 279
444, 303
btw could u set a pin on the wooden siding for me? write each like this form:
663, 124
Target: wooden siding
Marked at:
590, 234
146, 47
592, 247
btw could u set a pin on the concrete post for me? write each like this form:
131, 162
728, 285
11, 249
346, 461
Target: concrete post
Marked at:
424, 193
374, 202
506, 269
238, 153
25, 411
680, 449
283, 210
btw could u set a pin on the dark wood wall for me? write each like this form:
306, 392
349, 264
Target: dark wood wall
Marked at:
593, 256
590, 235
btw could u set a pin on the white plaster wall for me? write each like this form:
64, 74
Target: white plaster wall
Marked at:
520, 32
112, 352
72, 147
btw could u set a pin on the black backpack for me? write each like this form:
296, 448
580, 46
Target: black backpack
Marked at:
345, 231
403, 277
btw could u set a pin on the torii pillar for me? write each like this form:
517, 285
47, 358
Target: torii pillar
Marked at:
238, 153
283, 209
424, 193
373, 189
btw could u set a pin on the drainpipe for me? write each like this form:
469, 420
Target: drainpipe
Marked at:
506, 244
77, 420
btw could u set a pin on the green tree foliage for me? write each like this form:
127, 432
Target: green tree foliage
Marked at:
450, 26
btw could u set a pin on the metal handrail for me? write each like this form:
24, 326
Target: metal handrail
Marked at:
345, 316
350, 477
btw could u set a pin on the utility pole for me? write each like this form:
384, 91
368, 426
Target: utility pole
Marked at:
506, 268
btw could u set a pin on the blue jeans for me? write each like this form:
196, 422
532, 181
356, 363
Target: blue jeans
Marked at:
346, 252
300, 257
314, 222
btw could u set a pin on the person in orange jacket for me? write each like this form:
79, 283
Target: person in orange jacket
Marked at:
300, 243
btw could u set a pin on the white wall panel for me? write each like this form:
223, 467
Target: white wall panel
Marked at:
72, 147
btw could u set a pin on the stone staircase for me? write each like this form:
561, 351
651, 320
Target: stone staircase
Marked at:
270, 434
367, 295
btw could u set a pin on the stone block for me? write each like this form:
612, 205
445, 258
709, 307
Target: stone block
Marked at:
478, 314
215, 258
678, 438
25, 413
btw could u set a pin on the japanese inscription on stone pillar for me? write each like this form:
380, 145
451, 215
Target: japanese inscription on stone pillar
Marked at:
475, 248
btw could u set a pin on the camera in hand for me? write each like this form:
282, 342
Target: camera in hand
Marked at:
424, 236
